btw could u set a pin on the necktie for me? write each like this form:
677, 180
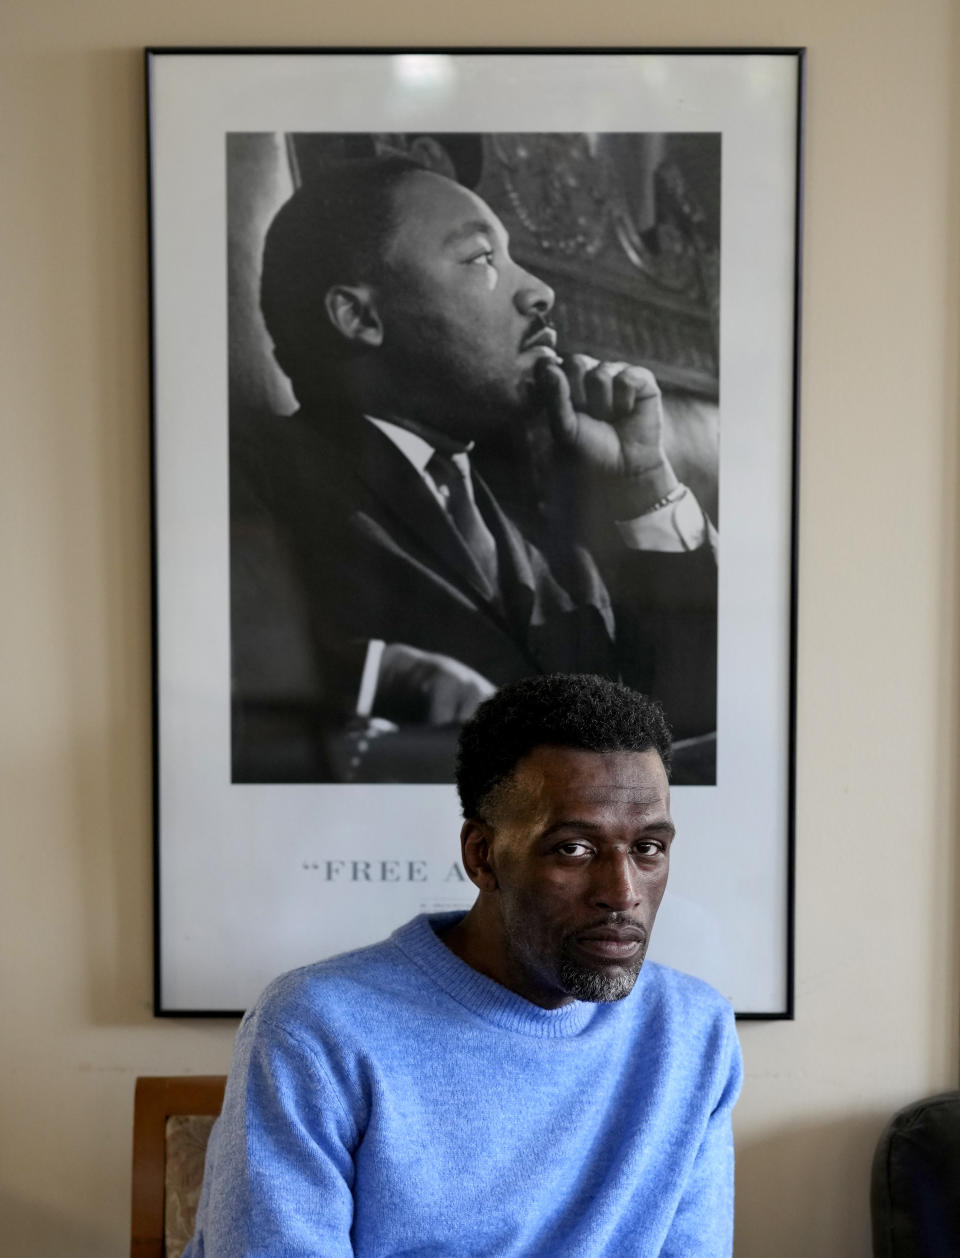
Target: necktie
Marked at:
450, 475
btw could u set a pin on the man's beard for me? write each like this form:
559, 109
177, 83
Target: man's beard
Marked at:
446, 394
585, 983
567, 971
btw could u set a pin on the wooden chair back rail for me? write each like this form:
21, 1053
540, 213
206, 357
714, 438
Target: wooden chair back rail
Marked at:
155, 1100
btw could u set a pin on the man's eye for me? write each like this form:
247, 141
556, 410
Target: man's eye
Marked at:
483, 258
649, 849
573, 849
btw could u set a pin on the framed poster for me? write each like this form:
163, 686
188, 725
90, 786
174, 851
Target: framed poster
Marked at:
400, 300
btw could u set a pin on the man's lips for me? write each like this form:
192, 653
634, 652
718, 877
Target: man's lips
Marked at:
544, 338
612, 943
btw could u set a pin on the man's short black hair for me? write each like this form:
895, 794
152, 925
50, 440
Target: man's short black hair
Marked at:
332, 230
580, 710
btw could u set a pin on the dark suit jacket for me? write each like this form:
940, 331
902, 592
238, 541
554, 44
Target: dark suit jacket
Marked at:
335, 540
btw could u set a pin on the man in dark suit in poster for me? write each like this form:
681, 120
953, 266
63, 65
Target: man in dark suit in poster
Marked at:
380, 590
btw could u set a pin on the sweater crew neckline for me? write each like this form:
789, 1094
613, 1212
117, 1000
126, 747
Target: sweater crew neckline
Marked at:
419, 941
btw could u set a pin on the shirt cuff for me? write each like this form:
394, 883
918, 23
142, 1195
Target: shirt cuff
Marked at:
677, 526
370, 676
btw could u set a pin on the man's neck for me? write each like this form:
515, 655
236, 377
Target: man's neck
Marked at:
477, 940
375, 393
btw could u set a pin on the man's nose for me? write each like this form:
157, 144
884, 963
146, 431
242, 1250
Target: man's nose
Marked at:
533, 296
617, 883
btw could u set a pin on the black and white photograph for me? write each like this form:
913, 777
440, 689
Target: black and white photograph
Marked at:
467, 366
500, 453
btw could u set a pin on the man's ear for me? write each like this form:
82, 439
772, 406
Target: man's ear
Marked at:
475, 843
352, 310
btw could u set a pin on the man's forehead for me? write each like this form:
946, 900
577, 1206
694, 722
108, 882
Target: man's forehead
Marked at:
561, 774
427, 200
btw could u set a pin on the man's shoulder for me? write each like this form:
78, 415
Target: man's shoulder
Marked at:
694, 1028
261, 440
355, 995
684, 1006
686, 988
315, 463
258, 434
347, 976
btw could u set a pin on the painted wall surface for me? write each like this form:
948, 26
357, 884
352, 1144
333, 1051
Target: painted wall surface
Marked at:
878, 738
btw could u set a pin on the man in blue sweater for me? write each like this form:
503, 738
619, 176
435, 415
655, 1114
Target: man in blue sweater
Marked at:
513, 1082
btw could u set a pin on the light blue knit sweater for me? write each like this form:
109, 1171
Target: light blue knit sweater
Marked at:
394, 1102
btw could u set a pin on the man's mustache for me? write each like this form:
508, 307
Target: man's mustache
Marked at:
613, 926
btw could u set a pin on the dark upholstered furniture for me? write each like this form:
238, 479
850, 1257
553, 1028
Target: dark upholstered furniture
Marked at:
915, 1188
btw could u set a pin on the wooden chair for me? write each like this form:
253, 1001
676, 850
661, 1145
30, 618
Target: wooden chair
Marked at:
172, 1118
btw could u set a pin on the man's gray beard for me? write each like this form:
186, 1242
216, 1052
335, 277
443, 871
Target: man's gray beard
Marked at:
587, 984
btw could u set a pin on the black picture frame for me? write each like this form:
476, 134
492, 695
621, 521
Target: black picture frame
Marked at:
255, 874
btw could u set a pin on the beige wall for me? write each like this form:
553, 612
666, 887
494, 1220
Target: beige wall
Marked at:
877, 940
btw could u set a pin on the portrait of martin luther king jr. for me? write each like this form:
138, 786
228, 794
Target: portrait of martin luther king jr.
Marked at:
459, 500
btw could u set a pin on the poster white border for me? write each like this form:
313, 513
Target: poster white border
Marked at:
248, 880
